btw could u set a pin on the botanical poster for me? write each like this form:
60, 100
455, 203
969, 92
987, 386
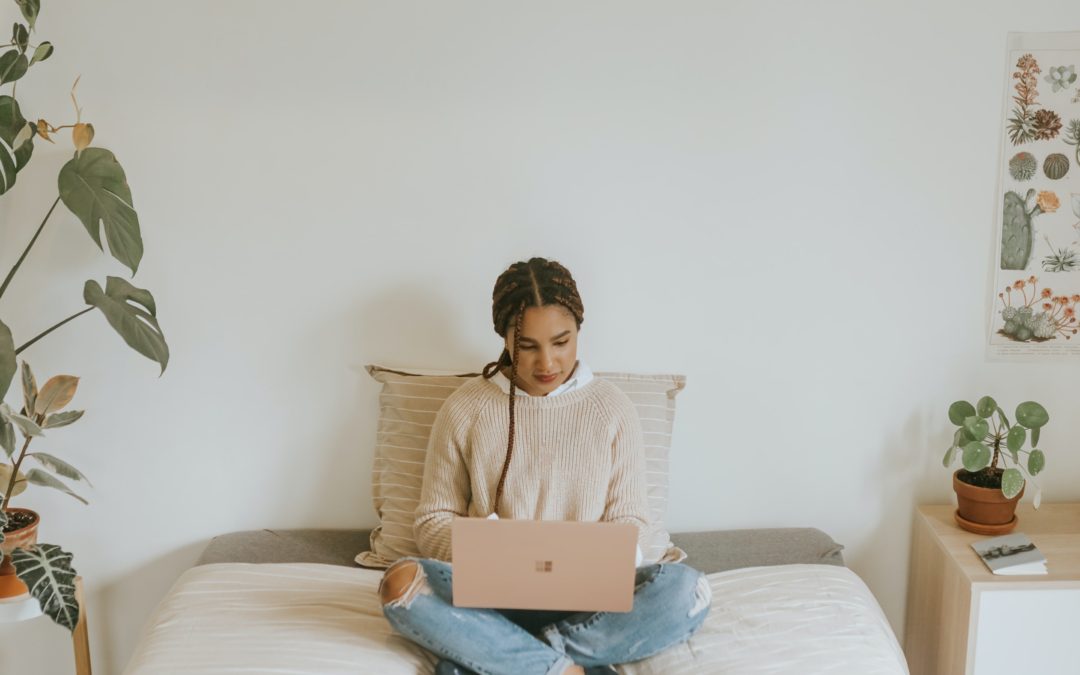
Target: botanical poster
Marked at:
1036, 292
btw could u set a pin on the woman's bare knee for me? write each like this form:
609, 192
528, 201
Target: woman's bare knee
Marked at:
400, 583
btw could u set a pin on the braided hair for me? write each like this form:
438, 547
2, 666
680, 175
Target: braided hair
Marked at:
536, 282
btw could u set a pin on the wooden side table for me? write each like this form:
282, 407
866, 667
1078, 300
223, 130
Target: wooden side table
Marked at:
27, 608
961, 618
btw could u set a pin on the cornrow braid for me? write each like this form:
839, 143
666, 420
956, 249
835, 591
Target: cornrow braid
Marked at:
533, 283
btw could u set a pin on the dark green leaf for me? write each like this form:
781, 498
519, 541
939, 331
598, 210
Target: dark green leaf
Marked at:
13, 65
1032, 415
20, 36
16, 142
39, 477
93, 186
46, 571
7, 360
1012, 481
42, 52
976, 456
62, 419
986, 407
1015, 440
138, 326
29, 9
959, 411
59, 466
976, 427
1035, 433
1036, 462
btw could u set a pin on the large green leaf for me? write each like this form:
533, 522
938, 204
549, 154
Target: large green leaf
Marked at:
137, 325
1032, 415
986, 406
976, 427
959, 411
1016, 437
13, 65
46, 571
93, 186
29, 9
16, 142
7, 359
1012, 481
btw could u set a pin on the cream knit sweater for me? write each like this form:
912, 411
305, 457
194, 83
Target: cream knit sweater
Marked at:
577, 456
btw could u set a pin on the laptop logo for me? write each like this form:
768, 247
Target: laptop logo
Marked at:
543, 565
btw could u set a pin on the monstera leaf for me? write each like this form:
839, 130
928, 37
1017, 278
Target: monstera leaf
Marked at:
120, 303
16, 142
93, 186
46, 571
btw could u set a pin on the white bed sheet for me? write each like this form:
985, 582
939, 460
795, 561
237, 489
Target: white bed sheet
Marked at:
310, 619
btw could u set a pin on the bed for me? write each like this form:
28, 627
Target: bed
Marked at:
293, 601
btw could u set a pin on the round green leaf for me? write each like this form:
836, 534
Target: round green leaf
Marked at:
976, 427
1012, 481
950, 455
1032, 415
1036, 462
976, 456
959, 411
986, 407
1015, 440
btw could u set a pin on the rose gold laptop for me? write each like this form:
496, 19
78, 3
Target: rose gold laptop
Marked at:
544, 564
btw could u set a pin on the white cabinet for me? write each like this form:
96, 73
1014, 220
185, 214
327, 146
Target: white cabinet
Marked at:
962, 619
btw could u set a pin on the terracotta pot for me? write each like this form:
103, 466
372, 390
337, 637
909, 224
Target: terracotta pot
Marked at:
984, 510
10, 586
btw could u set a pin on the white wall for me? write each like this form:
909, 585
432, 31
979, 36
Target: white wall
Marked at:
791, 203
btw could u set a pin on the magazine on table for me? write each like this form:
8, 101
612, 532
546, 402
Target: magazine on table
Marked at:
1011, 554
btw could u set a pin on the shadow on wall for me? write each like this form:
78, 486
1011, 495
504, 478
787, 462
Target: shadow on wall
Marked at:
119, 611
406, 326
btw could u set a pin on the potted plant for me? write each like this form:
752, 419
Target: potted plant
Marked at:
987, 488
93, 186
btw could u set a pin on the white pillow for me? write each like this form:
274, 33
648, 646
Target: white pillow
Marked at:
408, 403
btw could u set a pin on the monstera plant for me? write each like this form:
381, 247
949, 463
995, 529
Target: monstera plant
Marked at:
92, 185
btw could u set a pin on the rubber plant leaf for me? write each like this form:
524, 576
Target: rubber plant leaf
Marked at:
131, 312
5, 478
29, 385
39, 477
13, 65
62, 419
1012, 481
59, 466
46, 571
55, 394
16, 145
959, 411
7, 436
29, 9
8, 366
93, 186
3, 524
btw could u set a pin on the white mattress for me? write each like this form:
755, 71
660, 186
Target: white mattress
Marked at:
309, 619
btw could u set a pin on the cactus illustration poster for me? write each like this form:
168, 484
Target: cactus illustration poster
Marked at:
1036, 292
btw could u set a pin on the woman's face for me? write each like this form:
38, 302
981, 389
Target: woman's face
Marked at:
547, 352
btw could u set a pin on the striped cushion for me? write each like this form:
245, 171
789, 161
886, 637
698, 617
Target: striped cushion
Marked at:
407, 407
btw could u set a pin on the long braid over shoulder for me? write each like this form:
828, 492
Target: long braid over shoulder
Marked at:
533, 283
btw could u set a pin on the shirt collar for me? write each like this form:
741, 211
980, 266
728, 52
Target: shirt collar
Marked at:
582, 376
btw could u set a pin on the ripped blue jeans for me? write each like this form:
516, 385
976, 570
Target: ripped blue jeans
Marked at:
670, 603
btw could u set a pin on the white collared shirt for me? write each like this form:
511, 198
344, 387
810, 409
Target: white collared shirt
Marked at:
581, 377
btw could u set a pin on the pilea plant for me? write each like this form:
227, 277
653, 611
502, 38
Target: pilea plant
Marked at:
987, 443
93, 186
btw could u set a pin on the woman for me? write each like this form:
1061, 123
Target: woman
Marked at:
565, 447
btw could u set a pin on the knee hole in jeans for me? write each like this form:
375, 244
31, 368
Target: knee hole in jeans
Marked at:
401, 583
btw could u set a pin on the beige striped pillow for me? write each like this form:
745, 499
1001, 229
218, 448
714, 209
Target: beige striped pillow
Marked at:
408, 403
